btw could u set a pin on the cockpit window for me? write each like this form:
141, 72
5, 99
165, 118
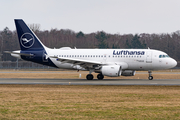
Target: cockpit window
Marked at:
163, 56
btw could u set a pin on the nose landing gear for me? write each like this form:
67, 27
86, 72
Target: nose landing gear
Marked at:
150, 75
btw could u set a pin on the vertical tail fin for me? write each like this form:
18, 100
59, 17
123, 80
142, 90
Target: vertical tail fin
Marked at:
27, 39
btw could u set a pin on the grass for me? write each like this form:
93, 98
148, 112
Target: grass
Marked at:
89, 102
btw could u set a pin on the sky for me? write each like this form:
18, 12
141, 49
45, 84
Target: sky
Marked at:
88, 16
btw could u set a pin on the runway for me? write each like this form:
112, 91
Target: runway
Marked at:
91, 82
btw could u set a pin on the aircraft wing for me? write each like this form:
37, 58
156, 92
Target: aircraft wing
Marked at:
87, 64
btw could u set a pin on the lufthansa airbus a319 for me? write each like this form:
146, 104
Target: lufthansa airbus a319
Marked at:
106, 62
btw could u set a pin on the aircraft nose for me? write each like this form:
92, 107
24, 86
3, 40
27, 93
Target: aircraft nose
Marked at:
173, 63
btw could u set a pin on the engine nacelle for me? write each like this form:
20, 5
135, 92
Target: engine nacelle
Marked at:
112, 71
128, 73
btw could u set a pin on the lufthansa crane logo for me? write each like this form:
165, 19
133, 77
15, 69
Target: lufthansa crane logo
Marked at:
27, 40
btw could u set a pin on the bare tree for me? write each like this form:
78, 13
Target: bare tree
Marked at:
34, 27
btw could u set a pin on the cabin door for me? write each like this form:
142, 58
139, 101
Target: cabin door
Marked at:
149, 57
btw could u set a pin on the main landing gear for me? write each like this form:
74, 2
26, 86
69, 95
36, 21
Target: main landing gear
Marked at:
90, 77
100, 76
150, 75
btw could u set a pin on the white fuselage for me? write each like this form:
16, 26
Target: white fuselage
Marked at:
129, 59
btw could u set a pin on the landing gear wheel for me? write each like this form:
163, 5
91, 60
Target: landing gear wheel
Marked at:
89, 77
100, 76
150, 77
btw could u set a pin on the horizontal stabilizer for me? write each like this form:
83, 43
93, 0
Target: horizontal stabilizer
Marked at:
18, 53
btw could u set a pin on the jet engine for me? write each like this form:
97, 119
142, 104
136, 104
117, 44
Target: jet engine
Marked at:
112, 71
128, 73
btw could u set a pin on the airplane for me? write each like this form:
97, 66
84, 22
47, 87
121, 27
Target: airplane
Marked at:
106, 62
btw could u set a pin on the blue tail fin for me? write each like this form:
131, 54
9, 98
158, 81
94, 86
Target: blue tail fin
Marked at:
27, 39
